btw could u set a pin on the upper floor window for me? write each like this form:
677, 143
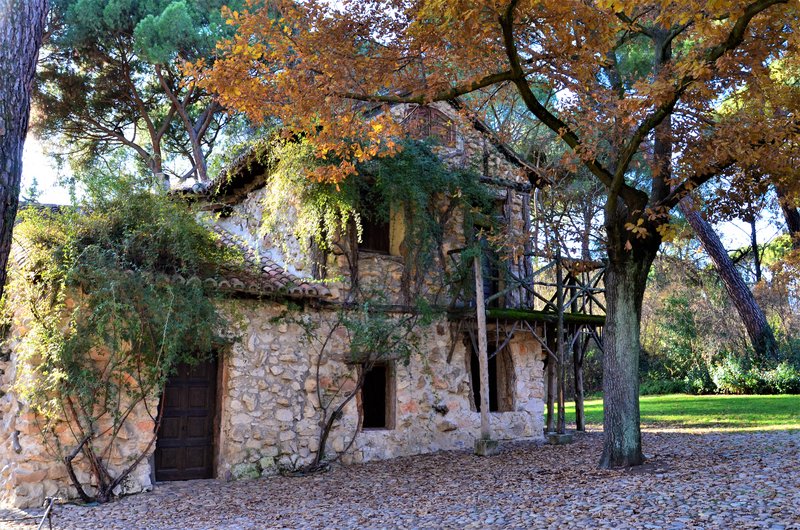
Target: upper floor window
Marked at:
426, 122
375, 235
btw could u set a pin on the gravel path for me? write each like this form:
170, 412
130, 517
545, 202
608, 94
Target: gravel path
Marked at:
706, 480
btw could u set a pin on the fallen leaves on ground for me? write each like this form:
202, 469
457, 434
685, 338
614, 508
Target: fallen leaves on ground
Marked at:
708, 480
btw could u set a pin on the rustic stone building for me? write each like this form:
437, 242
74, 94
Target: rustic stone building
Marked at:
255, 410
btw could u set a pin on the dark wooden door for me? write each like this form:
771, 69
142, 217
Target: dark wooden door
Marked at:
185, 443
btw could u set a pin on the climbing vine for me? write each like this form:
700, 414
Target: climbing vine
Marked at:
356, 339
113, 299
415, 185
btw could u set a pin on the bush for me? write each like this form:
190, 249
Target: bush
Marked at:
661, 386
731, 377
698, 381
784, 379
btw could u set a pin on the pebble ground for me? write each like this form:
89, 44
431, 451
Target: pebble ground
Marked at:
692, 480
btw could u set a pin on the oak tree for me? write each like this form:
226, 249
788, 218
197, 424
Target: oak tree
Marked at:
310, 63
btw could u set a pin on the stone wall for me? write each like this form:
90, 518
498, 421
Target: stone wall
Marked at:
271, 412
31, 462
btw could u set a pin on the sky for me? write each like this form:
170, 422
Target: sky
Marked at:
37, 165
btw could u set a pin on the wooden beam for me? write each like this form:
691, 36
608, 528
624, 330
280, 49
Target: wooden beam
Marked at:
483, 356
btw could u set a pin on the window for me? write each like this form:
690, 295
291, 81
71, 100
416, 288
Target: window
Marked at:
490, 271
501, 380
425, 122
377, 397
375, 235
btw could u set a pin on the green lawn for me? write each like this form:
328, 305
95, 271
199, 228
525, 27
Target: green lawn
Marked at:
722, 413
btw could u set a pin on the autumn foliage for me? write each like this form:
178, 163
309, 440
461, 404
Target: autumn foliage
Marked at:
640, 88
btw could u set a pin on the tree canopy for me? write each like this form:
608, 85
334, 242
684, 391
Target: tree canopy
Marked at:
111, 79
639, 85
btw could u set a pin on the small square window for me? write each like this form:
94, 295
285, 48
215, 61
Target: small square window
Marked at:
377, 397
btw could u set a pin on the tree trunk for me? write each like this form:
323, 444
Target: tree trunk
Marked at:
754, 247
753, 318
21, 28
625, 285
629, 261
791, 214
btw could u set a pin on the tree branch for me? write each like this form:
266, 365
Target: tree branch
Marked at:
630, 195
685, 188
735, 38
452, 93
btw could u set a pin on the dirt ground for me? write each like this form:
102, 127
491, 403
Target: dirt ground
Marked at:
691, 480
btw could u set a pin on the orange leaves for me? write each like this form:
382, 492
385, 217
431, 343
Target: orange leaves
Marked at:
325, 68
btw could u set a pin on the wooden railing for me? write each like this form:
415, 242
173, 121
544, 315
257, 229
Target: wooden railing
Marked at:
532, 283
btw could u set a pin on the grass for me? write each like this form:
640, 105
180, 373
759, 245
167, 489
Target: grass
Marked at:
719, 413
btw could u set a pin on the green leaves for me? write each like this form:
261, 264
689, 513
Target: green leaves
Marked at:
188, 30
108, 319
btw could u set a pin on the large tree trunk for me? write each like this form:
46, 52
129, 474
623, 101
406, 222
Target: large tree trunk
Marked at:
625, 284
21, 29
629, 262
753, 318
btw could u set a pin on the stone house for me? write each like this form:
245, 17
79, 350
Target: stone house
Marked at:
256, 409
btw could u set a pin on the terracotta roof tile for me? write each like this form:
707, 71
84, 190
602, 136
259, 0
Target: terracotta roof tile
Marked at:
255, 275
260, 275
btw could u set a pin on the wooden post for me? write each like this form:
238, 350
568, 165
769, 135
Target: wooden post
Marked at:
483, 356
577, 356
561, 423
578, 353
551, 389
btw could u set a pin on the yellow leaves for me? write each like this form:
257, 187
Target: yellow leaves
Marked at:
668, 232
321, 63
638, 229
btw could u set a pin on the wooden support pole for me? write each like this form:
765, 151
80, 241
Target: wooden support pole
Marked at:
578, 355
561, 422
578, 350
483, 355
551, 389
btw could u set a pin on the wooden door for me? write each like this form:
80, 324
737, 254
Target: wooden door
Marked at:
185, 443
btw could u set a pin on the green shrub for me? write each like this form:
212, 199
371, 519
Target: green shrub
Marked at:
698, 380
784, 379
733, 377
661, 386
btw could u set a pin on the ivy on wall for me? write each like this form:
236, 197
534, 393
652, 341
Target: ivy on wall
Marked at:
113, 300
415, 185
